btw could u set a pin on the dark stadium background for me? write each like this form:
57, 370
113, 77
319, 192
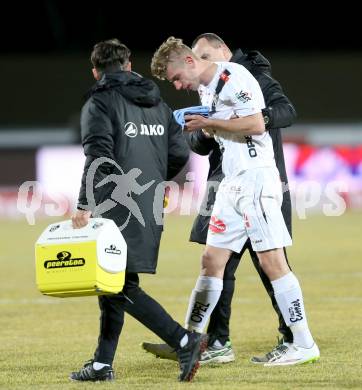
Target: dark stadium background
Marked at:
45, 68
45, 47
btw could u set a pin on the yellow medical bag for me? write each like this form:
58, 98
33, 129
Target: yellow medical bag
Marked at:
78, 262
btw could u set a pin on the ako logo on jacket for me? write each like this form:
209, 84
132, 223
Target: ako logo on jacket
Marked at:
131, 130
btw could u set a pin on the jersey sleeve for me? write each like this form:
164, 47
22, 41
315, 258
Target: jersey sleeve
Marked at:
243, 93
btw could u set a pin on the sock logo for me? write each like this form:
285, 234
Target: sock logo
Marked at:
198, 311
295, 311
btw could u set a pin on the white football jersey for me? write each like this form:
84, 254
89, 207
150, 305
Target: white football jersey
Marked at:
240, 96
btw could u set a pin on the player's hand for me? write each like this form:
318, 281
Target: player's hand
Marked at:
195, 122
80, 218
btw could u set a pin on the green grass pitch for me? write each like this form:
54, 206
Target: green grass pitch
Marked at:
42, 338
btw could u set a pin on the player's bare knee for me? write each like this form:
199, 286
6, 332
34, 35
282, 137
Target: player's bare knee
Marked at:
273, 263
209, 263
213, 261
208, 259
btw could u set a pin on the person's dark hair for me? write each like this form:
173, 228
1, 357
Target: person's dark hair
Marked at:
212, 38
110, 55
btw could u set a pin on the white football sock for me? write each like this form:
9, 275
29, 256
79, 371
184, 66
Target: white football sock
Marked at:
203, 300
289, 297
99, 366
184, 340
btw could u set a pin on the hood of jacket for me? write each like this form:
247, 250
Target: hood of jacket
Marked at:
253, 61
132, 86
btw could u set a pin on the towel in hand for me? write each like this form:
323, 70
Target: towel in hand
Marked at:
194, 110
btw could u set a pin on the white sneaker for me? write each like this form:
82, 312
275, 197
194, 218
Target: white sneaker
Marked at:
218, 355
276, 351
292, 354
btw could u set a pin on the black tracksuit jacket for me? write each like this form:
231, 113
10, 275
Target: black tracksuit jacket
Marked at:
125, 120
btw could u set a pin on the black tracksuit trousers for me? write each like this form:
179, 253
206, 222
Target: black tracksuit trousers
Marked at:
134, 301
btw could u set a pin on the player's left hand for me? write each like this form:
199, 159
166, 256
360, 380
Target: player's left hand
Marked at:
80, 218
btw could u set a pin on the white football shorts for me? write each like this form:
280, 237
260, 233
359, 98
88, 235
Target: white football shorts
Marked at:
249, 206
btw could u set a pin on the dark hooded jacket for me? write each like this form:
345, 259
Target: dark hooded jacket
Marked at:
126, 123
279, 113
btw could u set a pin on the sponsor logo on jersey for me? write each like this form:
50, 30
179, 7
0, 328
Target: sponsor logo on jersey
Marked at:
236, 188
243, 96
97, 225
217, 225
295, 311
246, 220
54, 228
131, 130
224, 77
64, 260
251, 146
